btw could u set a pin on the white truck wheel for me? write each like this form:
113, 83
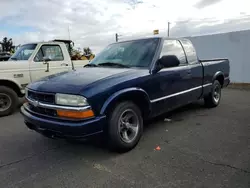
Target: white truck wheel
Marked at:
8, 101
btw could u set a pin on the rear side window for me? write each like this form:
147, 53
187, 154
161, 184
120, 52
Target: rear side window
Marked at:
54, 52
190, 51
173, 47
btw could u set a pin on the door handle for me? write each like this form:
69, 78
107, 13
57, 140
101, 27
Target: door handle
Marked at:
64, 64
189, 72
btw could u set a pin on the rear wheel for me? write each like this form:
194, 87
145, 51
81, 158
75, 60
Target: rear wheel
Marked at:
8, 101
125, 127
213, 99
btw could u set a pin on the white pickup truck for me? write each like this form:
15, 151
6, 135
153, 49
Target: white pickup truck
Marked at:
30, 63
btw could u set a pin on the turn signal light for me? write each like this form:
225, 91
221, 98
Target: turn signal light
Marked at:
75, 114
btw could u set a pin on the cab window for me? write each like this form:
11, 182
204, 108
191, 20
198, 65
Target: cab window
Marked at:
190, 51
173, 47
53, 52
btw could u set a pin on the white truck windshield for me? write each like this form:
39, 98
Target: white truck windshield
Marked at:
24, 52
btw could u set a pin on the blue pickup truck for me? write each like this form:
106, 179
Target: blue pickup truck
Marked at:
127, 83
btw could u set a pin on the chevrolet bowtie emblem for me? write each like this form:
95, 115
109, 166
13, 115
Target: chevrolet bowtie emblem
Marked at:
35, 103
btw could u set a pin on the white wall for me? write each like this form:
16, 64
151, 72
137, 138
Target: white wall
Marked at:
235, 46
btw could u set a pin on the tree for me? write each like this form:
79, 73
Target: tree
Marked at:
87, 51
7, 44
85, 55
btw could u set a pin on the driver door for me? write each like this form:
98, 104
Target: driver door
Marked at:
170, 86
57, 63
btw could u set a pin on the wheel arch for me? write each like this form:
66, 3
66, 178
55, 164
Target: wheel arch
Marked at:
13, 85
220, 77
136, 95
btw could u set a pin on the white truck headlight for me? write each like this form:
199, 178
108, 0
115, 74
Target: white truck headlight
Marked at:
70, 100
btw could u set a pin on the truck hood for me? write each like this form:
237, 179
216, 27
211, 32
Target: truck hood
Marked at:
74, 82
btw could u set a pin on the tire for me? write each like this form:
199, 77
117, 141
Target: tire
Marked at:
213, 99
8, 101
118, 140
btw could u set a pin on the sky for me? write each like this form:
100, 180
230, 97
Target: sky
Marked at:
94, 23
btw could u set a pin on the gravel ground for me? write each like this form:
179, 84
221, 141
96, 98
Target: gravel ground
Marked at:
199, 148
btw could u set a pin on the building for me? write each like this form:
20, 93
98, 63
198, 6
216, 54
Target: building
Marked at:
234, 45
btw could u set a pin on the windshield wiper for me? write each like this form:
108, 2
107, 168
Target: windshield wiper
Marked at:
90, 65
113, 64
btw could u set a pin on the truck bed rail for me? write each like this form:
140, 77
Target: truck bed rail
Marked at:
217, 59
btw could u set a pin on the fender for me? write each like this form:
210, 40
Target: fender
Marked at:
14, 85
11, 80
119, 93
219, 73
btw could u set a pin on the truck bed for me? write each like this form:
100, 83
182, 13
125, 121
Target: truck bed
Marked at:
213, 67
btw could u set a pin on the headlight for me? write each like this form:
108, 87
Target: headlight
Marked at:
70, 100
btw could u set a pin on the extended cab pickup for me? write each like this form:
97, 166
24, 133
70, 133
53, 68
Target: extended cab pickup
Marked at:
127, 83
30, 63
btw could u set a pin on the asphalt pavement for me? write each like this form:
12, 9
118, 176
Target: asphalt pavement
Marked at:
199, 147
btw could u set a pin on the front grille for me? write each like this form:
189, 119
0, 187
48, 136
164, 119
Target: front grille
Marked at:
41, 97
43, 111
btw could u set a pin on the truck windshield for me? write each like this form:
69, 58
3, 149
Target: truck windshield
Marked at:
24, 52
137, 53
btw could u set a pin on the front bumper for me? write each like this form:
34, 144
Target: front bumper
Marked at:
63, 129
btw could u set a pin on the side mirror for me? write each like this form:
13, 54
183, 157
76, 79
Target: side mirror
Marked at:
46, 59
169, 61
46, 62
166, 62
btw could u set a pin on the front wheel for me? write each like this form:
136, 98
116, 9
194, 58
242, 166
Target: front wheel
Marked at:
125, 126
8, 101
213, 99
